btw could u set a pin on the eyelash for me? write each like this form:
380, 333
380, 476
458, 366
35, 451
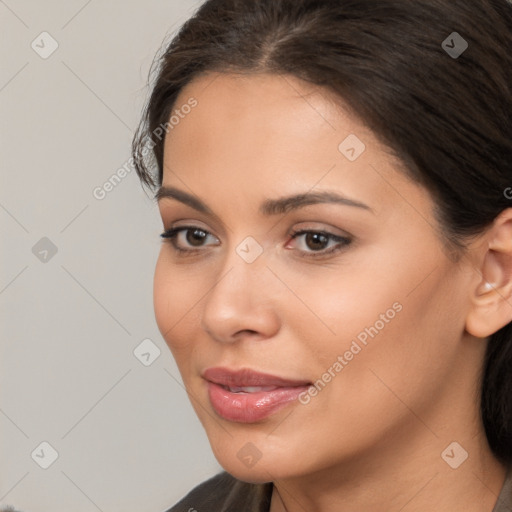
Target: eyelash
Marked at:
342, 242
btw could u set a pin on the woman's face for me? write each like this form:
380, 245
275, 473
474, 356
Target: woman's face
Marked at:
359, 321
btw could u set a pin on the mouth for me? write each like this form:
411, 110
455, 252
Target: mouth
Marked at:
248, 396
248, 389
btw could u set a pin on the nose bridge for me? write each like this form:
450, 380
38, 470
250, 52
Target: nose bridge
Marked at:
240, 298
243, 273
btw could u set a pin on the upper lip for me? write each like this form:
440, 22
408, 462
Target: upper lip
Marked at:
247, 377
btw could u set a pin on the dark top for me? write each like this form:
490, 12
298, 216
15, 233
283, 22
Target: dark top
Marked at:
224, 493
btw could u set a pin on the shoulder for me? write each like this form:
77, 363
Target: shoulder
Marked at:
224, 493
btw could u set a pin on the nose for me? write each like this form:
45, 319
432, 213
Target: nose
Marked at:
241, 303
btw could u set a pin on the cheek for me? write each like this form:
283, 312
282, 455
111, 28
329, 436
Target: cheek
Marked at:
329, 308
175, 299
161, 298
404, 356
376, 322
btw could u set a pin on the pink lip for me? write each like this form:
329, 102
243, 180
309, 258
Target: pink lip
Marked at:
254, 406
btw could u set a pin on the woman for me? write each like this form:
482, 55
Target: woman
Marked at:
335, 283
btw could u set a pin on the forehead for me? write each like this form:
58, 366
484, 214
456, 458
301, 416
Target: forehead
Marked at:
276, 102
264, 134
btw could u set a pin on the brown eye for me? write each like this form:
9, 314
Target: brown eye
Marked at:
195, 237
316, 241
187, 238
310, 243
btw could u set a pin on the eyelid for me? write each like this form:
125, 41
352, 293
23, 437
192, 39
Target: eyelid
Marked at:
174, 231
181, 217
319, 227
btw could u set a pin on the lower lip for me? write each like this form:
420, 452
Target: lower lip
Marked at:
250, 407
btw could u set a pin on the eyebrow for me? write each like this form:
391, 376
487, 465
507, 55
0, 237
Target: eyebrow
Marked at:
269, 206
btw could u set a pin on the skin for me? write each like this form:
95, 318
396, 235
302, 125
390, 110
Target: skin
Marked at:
372, 438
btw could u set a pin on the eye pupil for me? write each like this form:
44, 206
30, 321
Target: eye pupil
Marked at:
195, 237
316, 238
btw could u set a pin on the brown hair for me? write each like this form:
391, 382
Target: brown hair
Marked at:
398, 65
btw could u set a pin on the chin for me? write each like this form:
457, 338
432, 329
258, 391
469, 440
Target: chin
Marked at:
251, 460
260, 473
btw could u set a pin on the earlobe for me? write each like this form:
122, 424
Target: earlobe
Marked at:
491, 299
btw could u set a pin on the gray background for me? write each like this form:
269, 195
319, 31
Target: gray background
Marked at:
126, 436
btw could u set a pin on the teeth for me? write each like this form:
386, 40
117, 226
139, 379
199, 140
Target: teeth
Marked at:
250, 389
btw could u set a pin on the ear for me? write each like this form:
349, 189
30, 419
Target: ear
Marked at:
491, 298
